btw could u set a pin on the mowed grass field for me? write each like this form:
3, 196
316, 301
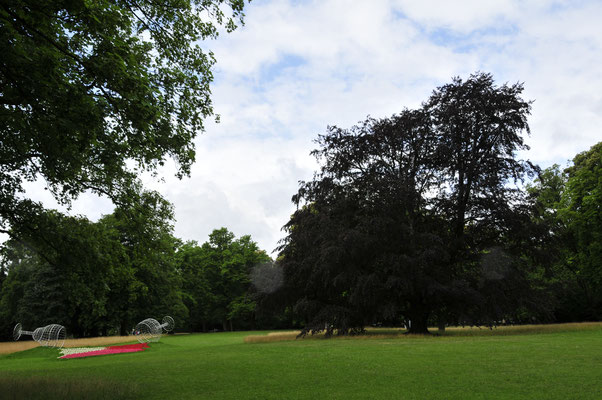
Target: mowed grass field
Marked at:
539, 362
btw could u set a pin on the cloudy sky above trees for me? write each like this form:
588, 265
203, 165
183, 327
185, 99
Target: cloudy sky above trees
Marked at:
298, 66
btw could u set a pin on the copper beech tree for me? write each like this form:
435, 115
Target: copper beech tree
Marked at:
412, 217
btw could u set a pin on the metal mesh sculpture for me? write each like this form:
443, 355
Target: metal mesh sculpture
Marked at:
52, 335
150, 329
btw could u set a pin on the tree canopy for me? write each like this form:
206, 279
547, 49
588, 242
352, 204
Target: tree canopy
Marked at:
569, 210
583, 218
102, 278
93, 277
217, 280
89, 90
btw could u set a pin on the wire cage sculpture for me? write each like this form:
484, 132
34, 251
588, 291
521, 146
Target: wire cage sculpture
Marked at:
52, 335
150, 330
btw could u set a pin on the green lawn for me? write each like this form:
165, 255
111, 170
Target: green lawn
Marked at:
556, 365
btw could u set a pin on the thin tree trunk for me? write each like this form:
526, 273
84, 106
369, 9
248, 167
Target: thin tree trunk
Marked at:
441, 325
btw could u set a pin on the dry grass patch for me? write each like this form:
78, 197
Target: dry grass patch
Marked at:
284, 333
505, 330
13, 347
522, 329
272, 337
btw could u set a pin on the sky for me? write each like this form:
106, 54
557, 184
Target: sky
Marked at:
296, 67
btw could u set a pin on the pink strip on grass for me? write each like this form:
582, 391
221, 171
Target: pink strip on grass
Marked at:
128, 348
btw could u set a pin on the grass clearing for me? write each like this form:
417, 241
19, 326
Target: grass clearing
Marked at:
558, 362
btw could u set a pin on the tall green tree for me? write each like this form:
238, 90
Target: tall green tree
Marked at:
579, 213
216, 280
583, 216
568, 210
94, 278
148, 285
551, 242
61, 273
199, 285
86, 87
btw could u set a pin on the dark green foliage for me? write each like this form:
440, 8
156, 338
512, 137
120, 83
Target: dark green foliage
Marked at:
94, 278
197, 285
216, 281
102, 278
414, 216
569, 207
60, 274
148, 284
583, 218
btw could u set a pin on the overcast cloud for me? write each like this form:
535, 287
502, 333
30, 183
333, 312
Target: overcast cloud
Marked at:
298, 66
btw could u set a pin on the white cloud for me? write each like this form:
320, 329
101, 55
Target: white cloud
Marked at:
460, 15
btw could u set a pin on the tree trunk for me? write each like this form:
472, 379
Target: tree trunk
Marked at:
419, 322
231, 328
441, 325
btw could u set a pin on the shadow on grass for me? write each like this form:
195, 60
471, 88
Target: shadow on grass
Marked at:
17, 388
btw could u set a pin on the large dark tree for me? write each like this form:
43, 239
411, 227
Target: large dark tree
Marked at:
408, 214
479, 128
90, 88
355, 248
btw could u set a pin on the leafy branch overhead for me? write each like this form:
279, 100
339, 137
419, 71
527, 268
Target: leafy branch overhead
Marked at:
89, 87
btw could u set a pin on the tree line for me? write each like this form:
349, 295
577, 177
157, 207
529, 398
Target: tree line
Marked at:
100, 278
